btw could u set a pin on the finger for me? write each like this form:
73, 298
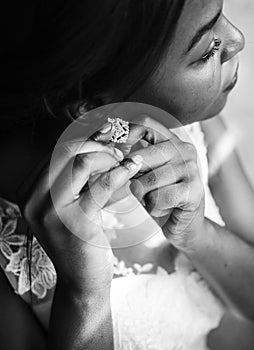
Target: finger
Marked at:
65, 152
104, 134
44, 177
183, 195
161, 213
103, 188
76, 174
148, 129
167, 174
171, 196
184, 198
175, 151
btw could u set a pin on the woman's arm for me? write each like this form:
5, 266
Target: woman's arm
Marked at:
76, 322
227, 263
228, 182
80, 321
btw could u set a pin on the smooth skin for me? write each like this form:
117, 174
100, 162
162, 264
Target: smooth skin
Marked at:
230, 186
187, 85
192, 89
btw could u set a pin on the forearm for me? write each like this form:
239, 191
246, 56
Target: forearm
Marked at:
228, 182
80, 322
227, 263
235, 197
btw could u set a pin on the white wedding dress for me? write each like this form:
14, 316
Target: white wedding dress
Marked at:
152, 308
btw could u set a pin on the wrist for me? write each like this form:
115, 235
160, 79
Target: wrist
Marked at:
195, 239
85, 292
201, 240
84, 318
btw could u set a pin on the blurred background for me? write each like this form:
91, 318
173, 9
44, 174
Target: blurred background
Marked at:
239, 112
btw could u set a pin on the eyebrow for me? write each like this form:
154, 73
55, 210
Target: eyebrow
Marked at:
202, 31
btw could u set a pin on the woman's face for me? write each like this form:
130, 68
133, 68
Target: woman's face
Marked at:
200, 68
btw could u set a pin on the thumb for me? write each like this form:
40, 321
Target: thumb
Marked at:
100, 192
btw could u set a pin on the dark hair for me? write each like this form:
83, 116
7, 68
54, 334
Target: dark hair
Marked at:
75, 52
64, 54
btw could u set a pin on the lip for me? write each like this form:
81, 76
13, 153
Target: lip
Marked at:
233, 82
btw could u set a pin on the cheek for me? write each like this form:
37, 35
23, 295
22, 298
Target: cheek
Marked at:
194, 91
188, 94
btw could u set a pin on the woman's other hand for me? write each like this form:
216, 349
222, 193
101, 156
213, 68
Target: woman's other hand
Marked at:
63, 209
169, 184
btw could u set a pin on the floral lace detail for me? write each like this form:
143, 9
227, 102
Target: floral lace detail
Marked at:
7, 237
42, 270
12, 246
121, 270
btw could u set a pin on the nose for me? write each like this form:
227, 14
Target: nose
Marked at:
234, 42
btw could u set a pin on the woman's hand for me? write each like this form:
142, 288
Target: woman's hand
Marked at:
170, 186
68, 227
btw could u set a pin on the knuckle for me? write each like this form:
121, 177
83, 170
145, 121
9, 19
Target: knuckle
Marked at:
105, 181
192, 169
82, 161
151, 179
170, 197
151, 201
144, 120
190, 149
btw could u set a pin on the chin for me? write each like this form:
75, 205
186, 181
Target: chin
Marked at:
213, 110
218, 107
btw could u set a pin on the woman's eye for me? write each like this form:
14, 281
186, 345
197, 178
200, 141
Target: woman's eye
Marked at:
211, 53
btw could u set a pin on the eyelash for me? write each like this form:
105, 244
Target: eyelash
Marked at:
211, 53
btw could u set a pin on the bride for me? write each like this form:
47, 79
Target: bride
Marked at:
189, 282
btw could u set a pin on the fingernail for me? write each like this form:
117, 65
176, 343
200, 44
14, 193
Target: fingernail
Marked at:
137, 159
133, 164
106, 128
119, 154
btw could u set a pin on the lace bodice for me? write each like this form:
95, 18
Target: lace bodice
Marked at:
153, 307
